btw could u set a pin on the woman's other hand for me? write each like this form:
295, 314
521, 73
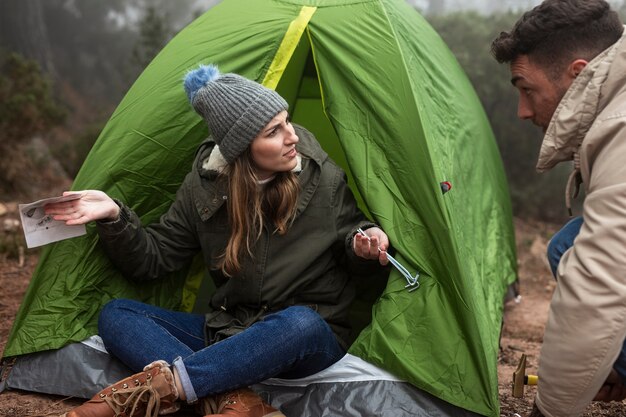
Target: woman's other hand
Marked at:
372, 246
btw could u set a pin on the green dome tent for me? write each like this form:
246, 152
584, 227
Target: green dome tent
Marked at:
388, 102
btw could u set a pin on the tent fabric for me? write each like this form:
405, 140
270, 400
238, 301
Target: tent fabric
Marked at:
351, 387
76, 370
358, 399
388, 101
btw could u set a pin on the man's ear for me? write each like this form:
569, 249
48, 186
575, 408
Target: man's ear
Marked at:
576, 67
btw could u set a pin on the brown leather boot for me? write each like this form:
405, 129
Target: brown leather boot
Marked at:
242, 402
147, 393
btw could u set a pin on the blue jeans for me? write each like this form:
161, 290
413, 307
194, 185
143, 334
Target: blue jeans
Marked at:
291, 343
562, 241
559, 244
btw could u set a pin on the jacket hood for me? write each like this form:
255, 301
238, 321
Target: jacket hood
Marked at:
580, 105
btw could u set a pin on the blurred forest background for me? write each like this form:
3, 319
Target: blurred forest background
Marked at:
65, 64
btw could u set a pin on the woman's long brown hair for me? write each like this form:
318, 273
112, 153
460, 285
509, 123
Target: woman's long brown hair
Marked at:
250, 206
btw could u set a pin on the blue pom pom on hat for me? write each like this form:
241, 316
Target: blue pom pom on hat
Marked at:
235, 108
196, 79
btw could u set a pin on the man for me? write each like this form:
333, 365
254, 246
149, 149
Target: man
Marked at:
568, 61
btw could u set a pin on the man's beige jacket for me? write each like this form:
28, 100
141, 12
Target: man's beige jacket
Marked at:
587, 321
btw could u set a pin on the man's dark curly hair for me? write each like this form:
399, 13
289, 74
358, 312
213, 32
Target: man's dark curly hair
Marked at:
559, 31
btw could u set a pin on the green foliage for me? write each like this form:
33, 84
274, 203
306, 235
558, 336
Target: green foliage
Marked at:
94, 42
469, 36
71, 153
91, 47
154, 32
26, 103
26, 109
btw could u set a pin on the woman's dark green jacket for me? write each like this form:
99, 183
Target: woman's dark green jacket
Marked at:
309, 265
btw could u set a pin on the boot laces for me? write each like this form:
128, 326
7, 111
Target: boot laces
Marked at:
133, 398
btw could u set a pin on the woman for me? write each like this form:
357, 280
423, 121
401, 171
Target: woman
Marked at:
276, 224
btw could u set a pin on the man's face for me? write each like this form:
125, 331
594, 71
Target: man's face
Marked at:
539, 95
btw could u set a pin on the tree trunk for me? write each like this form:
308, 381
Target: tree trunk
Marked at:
23, 30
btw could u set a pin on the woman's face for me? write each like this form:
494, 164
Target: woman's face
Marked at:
274, 148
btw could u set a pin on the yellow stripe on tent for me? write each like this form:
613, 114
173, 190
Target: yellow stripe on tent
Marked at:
288, 46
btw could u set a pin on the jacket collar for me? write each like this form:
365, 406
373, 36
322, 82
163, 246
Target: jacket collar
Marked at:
216, 162
578, 109
209, 190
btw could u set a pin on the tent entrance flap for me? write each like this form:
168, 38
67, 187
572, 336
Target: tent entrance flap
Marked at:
300, 86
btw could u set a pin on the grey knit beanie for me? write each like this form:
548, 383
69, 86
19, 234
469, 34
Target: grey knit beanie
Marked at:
234, 107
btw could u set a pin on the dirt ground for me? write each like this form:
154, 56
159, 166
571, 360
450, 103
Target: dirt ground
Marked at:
522, 331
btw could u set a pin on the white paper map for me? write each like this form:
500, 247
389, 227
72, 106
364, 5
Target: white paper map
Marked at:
41, 229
